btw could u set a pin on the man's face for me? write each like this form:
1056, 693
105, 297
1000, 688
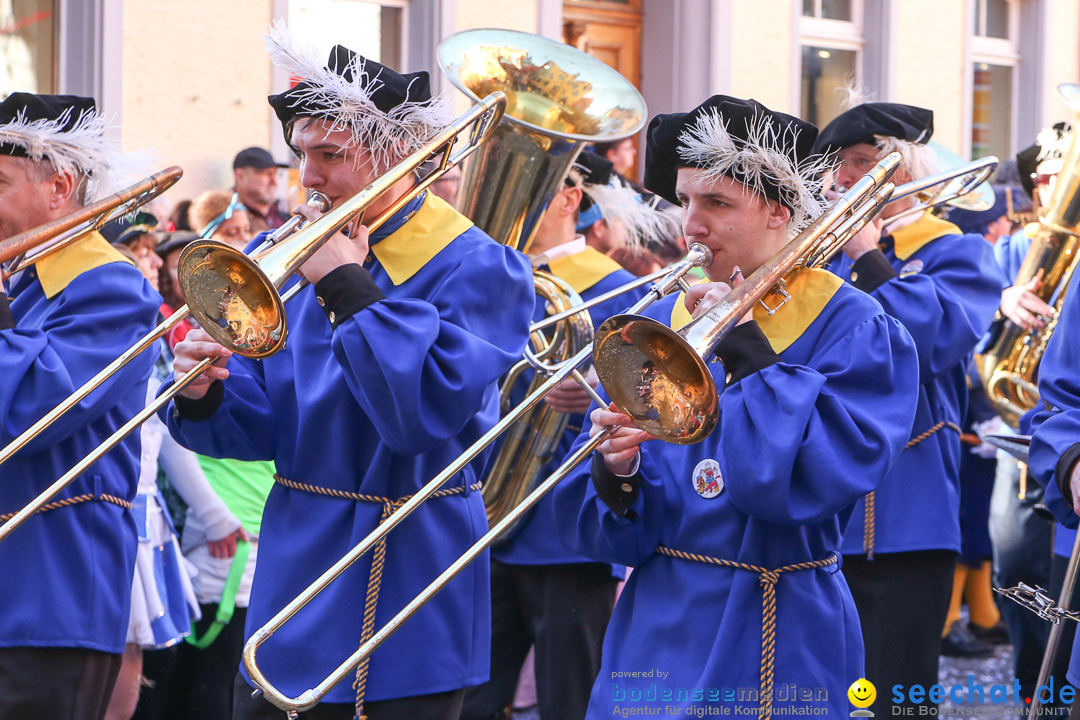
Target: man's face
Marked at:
325, 164
24, 200
855, 161
256, 186
622, 156
740, 227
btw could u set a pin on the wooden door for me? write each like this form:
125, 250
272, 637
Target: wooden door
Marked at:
610, 31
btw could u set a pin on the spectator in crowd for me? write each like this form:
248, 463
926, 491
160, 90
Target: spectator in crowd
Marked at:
255, 181
220, 216
621, 154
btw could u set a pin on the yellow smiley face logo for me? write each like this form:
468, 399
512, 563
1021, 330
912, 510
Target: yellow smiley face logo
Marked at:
862, 693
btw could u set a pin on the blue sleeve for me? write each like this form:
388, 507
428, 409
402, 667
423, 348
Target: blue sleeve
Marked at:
241, 427
588, 526
1055, 426
98, 316
949, 304
801, 443
420, 369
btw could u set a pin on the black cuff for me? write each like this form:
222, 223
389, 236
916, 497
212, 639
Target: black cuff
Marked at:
7, 320
185, 408
345, 291
618, 493
744, 351
870, 270
1063, 470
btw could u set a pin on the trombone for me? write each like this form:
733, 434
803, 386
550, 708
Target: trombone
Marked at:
811, 248
71, 228
318, 200
956, 186
281, 259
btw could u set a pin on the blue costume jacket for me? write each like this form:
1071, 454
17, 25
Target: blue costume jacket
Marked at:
944, 287
378, 405
590, 273
68, 571
1055, 426
798, 442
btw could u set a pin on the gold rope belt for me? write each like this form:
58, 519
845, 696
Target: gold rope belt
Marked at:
378, 561
768, 579
868, 511
75, 500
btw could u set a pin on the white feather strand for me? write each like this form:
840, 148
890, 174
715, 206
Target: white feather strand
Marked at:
388, 136
82, 150
762, 158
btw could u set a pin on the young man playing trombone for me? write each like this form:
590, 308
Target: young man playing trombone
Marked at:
901, 546
543, 595
68, 570
736, 598
389, 373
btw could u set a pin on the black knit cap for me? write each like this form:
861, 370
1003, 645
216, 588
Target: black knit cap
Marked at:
861, 123
667, 134
31, 107
595, 169
389, 89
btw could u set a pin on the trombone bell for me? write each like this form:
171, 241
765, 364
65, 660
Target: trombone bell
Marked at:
674, 398
227, 291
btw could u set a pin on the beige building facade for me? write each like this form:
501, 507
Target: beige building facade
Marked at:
189, 80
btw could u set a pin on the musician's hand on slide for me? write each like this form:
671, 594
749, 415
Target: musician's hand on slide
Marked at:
865, 240
1024, 307
569, 397
193, 349
340, 249
620, 449
700, 298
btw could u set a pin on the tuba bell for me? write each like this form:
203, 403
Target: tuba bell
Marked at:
558, 100
1009, 363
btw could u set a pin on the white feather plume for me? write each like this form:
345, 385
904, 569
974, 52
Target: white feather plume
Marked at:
621, 203
1052, 143
83, 150
389, 136
764, 158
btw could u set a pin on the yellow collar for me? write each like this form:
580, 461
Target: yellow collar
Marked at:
413, 245
810, 292
584, 269
910, 239
56, 271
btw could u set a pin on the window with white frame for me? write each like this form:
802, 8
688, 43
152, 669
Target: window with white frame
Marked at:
28, 52
376, 30
994, 59
830, 46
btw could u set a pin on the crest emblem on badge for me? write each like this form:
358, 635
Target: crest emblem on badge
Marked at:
912, 268
708, 483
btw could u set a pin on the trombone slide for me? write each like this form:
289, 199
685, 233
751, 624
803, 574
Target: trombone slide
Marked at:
698, 256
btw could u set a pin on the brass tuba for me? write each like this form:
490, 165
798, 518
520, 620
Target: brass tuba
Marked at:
1010, 361
558, 100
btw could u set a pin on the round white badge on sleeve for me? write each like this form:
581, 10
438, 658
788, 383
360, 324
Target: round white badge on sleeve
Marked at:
707, 479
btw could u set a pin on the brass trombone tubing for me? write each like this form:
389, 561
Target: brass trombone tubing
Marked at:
85, 220
128, 355
92, 457
698, 256
977, 172
599, 299
750, 292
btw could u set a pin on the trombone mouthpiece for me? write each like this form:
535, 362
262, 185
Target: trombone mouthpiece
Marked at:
319, 201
